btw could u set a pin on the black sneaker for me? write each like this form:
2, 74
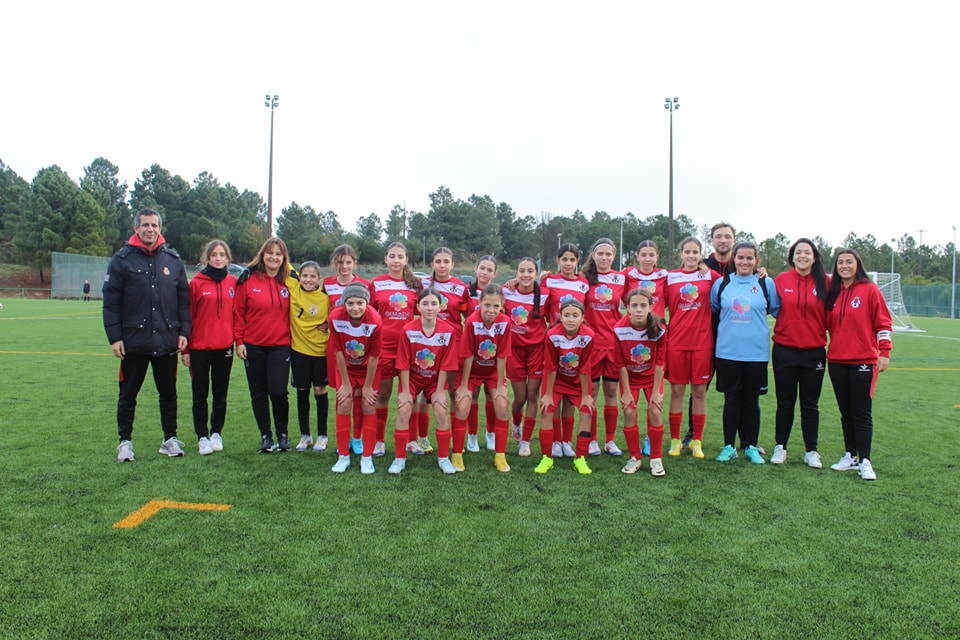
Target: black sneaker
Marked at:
283, 442
686, 439
266, 444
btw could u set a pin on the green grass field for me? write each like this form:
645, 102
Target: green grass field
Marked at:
709, 551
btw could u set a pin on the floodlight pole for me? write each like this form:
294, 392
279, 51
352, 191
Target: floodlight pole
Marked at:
892, 254
920, 253
272, 103
671, 106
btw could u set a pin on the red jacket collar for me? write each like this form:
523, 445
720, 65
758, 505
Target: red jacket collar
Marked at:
135, 241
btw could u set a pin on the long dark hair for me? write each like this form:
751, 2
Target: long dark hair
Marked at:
589, 270
473, 285
816, 271
836, 282
412, 281
536, 288
653, 327
436, 252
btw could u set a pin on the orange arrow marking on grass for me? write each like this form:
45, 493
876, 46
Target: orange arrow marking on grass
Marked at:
155, 506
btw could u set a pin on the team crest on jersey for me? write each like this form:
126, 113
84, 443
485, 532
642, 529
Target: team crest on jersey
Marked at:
354, 349
366, 329
582, 341
487, 350
398, 301
166, 271
689, 292
741, 305
569, 360
519, 315
231, 292
425, 358
441, 339
640, 353
754, 289
284, 292
312, 310
855, 303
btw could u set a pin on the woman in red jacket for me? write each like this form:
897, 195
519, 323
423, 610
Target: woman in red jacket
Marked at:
209, 355
261, 329
799, 349
860, 331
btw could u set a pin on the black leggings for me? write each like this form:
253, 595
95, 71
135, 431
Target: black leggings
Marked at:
793, 370
853, 386
206, 367
267, 370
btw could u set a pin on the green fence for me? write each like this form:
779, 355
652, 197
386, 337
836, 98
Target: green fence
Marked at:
930, 300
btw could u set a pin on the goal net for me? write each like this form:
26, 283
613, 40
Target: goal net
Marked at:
889, 284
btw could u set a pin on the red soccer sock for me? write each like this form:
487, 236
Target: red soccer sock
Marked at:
517, 416
611, 415
557, 427
500, 431
567, 426
593, 424
342, 429
529, 424
699, 420
676, 421
443, 443
459, 433
546, 440
655, 433
400, 443
632, 436
357, 417
369, 433
473, 420
583, 442
423, 424
382, 416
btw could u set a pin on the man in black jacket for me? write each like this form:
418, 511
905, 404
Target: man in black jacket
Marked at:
146, 315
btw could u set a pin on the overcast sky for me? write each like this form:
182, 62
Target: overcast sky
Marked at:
821, 118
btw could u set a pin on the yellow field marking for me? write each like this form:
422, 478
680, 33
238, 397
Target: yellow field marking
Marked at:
154, 506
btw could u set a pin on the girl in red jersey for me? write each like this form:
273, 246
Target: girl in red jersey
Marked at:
526, 307
394, 296
641, 354
426, 364
343, 261
646, 275
261, 329
565, 285
607, 288
799, 348
860, 340
209, 354
484, 349
690, 356
485, 271
356, 341
309, 309
568, 356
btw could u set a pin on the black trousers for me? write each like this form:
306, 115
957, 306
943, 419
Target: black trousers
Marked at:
742, 384
798, 370
206, 368
133, 370
853, 386
267, 370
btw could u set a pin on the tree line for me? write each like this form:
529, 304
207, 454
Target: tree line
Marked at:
95, 217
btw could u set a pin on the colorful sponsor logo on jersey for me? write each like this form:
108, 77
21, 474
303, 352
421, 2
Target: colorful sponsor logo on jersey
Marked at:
487, 350
354, 349
689, 292
569, 360
443, 302
425, 358
398, 301
519, 315
640, 353
741, 305
567, 298
604, 293
648, 285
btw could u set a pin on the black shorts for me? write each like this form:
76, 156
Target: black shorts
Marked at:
307, 371
733, 375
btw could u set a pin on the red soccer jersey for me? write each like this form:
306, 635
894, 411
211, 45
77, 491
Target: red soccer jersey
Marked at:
211, 311
562, 289
261, 312
485, 344
426, 356
358, 343
688, 300
639, 353
454, 300
603, 306
569, 357
526, 328
655, 282
396, 304
860, 325
334, 290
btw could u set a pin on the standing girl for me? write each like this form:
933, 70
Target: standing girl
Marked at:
209, 354
645, 275
484, 349
860, 341
426, 364
261, 329
309, 308
607, 288
641, 354
690, 356
356, 341
485, 270
568, 356
799, 349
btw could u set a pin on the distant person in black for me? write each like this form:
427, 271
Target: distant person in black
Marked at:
86, 291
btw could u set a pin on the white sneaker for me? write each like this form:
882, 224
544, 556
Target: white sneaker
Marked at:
594, 449
414, 448
204, 446
172, 447
125, 451
846, 463
557, 450
472, 445
366, 465
397, 466
779, 455
341, 465
523, 450
305, 443
321, 443
380, 448
633, 465
568, 450
517, 432
812, 459
216, 441
491, 441
656, 467
612, 448
866, 470
446, 466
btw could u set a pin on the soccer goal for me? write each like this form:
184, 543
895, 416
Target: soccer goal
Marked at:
889, 284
